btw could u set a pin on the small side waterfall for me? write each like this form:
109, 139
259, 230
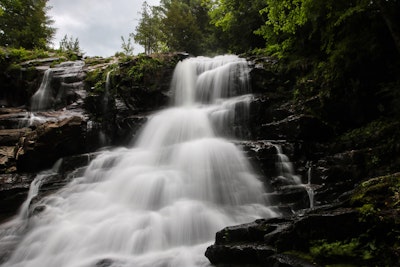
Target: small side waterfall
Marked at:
286, 172
160, 202
308, 186
285, 167
44, 97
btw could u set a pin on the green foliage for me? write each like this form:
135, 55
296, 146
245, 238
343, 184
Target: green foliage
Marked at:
149, 32
70, 48
377, 201
235, 22
144, 67
378, 193
25, 24
337, 251
373, 132
348, 62
69, 45
180, 26
127, 46
95, 81
92, 61
12, 57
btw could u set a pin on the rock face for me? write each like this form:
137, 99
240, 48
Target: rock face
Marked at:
336, 230
39, 148
310, 174
13, 191
133, 90
325, 235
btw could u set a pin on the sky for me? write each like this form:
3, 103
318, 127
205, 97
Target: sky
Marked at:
98, 24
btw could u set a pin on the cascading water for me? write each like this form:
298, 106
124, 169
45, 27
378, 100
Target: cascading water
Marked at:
43, 97
285, 167
308, 186
160, 202
287, 173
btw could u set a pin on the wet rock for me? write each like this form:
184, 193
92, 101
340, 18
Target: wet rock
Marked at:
128, 128
238, 254
329, 225
108, 263
104, 263
61, 85
262, 154
7, 159
299, 127
264, 109
13, 119
287, 260
10, 137
264, 242
71, 163
13, 191
293, 197
42, 62
50, 141
265, 76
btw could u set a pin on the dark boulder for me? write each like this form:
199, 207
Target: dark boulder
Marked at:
266, 242
50, 141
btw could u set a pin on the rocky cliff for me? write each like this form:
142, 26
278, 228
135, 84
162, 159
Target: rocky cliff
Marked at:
341, 212
320, 177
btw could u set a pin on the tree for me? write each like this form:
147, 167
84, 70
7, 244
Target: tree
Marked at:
350, 46
70, 45
127, 46
235, 22
24, 23
328, 23
186, 25
148, 32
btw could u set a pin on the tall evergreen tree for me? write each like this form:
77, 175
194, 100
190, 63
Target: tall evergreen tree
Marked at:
24, 23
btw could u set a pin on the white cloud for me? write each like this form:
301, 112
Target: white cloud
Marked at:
98, 24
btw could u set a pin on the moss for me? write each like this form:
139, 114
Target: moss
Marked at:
381, 192
338, 250
95, 81
144, 69
374, 132
377, 201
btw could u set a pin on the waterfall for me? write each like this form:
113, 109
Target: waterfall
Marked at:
44, 97
160, 202
285, 167
286, 172
308, 186
12, 231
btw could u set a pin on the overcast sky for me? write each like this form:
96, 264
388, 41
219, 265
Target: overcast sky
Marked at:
98, 24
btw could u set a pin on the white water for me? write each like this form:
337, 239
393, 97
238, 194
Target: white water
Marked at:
285, 167
308, 186
286, 171
43, 97
160, 202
